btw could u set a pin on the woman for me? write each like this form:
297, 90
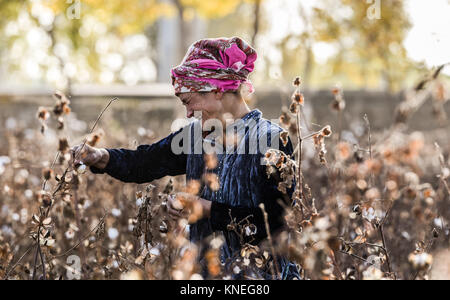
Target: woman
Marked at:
211, 80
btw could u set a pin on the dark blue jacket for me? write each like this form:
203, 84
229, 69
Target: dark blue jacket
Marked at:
242, 177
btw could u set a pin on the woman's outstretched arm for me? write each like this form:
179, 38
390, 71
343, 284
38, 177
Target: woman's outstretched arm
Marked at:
145, 164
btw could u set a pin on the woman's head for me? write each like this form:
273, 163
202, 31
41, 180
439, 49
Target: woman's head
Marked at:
212, 74
210, 104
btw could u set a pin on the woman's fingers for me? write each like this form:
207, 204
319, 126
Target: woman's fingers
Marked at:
173, 214
75, 156
173, 208
85, 154
173, 211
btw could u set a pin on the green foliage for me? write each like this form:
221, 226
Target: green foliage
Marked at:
369, 50
122, 16
211, 8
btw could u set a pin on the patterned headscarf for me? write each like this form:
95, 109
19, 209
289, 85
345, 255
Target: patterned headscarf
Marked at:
215, 65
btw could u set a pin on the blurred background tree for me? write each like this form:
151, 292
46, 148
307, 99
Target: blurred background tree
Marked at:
98, 40
60, 42
370, 52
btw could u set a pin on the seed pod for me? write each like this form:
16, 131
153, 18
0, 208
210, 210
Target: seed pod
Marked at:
60, 123
43, 114
338, 105
435, 233
94, 138
284, 136
336, 91
357, 210
285, 119
47, 173
66, 109
231, 227
177, 205
45, 198
212, 181
43, 128
445, 173
63, 145
210, 161
326, 131
250, 230
298, 98
294, 107
334, 243
163, 228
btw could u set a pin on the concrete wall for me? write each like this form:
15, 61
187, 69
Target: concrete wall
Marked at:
379, 107
159, 113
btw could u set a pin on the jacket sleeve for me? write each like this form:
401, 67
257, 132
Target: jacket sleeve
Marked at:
269, 196
146, 163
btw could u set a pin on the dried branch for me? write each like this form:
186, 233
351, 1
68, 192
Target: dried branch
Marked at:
269, 236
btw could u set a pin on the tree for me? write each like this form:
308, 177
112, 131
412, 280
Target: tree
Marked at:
119, 19
370, 51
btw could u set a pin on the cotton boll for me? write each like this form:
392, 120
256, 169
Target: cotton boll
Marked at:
81, 169
113, 233
116, 212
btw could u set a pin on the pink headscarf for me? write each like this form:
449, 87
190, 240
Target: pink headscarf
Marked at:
215, 65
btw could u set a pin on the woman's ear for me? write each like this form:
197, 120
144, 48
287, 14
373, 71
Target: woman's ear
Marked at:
218, 95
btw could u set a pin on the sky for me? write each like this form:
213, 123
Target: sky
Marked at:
429, 38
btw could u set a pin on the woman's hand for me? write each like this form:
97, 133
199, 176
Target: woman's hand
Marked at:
175, 208
90, 156
184, 205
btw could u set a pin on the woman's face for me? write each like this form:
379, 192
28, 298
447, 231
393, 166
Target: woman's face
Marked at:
209, 104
